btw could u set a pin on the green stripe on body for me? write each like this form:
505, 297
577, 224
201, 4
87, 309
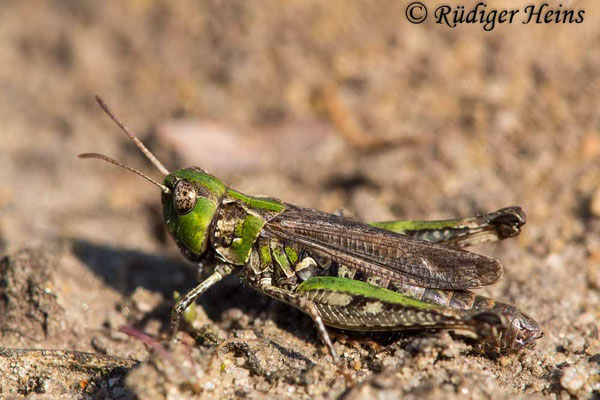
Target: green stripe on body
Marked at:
358, 288
404, 226
261, 203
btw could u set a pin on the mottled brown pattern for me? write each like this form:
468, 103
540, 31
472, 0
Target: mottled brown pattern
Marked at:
383, 253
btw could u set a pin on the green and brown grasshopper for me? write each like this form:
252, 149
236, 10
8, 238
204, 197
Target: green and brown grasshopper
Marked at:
383, 276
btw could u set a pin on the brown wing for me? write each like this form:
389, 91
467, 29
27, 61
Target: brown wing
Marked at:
384, 253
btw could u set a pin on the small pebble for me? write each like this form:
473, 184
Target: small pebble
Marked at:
538, 386
577, 343
118, 335
145, 300
593, 347
573, 378
239, 361
564, 395
537, 371
388, 361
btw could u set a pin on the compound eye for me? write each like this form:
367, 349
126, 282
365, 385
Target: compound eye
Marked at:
184, 197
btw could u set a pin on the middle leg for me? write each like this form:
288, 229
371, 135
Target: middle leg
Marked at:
308, 307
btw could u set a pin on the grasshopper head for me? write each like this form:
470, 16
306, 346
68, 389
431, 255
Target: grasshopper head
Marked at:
189, 207
190, 196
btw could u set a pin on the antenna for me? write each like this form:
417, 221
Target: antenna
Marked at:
133, 138
110, 160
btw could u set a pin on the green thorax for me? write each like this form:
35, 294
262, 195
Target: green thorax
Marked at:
201, 211
238, 224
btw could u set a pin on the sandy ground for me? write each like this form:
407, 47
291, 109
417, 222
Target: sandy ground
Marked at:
333, 106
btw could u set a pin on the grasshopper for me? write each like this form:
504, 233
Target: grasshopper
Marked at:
382, 276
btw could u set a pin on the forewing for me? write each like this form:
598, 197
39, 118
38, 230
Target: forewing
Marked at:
383, 253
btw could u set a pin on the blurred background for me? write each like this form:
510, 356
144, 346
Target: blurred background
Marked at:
331, 105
